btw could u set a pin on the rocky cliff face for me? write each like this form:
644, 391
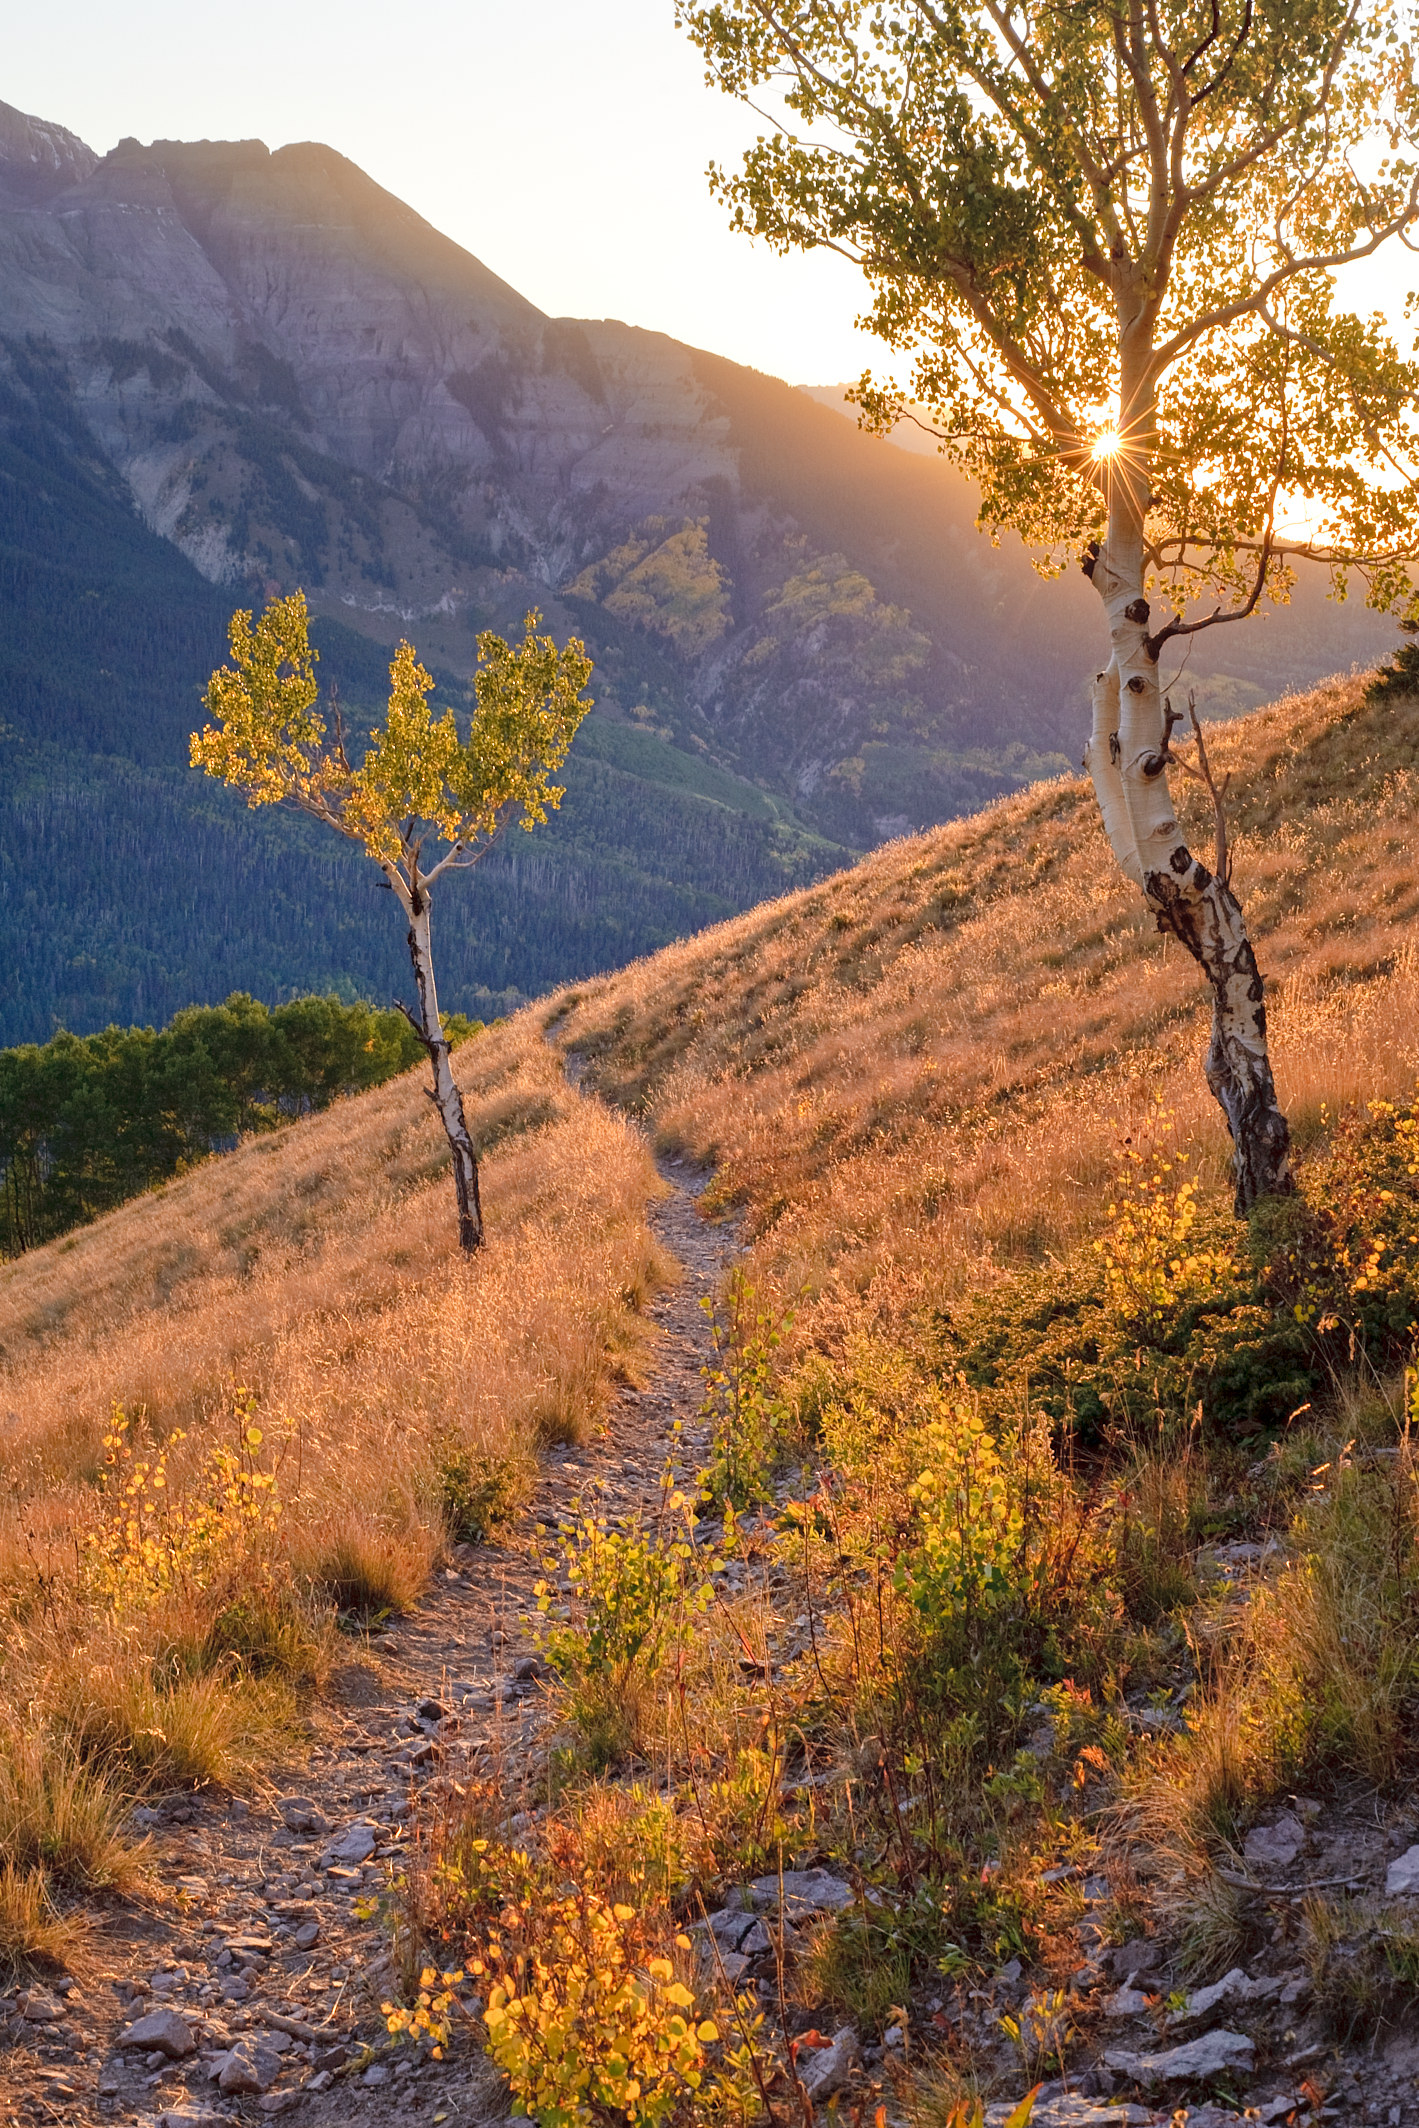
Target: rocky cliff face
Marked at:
301, 382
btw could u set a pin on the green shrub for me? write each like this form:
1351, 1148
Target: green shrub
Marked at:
482, 1490
750, 1419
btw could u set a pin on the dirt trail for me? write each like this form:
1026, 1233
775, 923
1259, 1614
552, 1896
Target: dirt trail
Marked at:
251, 1914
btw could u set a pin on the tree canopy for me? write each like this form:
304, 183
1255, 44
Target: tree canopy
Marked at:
1107, 236
420, 778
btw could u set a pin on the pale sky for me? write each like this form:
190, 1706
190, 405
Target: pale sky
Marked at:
564, 142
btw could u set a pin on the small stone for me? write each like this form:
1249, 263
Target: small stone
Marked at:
279, 2101
321, 2081
431, 1710
252, 2065
162, 2031
354, 1845
1071, 2110
824, 2069
110, 2083
1128, 2002
192, 2115
307, 1936
1127, 1961
145, 1820
1402, 1877
803, 1891
39, 2007
1195, 2061
331, 2058
299, 1814
1275, 1846
1206, 2000
736, 1930
375, 2074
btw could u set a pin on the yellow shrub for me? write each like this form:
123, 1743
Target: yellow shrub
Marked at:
582, 2023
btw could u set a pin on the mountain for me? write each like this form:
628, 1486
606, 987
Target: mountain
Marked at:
225, 372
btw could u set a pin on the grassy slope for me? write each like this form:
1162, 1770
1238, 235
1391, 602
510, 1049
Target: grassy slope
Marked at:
917, 1069
923, 1066
913, 1075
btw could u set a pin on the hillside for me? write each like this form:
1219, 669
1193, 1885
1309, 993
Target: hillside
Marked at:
990, 1259
226, 371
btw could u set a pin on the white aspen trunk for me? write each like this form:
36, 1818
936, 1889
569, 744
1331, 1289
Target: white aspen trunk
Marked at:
1127, 759
446, 1097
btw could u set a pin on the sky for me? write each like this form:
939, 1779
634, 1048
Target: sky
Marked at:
564, 142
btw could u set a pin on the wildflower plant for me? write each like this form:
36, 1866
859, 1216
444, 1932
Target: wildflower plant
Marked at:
750, 1419
1152, 1260
635, 1594
154, 1537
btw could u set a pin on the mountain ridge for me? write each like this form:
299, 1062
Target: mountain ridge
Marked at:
232, 371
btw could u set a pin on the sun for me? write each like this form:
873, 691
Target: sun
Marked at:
1107, 445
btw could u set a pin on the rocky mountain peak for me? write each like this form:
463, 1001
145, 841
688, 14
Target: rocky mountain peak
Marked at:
39, 159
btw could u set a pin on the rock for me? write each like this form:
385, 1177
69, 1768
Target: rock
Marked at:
193, 2115
252, 2065
299, 1814
280, 2101
1126, 1961
736, 1930
1402, 1877
39, 2007
321, 2081
1295, 1991
1275, 1846
145, 1820
1128, 2002
110, 2082
431, 1710
1233, 1986
1072, 2111
375, 2074
824, 2069
307, 1936
332, 2058
1193, 2062
162, 2032
355, 1844
803, 1891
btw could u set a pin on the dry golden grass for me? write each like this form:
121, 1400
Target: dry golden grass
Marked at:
919, 1072
317, 1269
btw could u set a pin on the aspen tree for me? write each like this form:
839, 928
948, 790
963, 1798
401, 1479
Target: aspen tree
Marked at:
420, 783
1107, 233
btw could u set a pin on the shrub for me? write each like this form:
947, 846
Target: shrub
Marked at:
635, 1594
483, 1489
584, 2018
750, 1420
155, 1537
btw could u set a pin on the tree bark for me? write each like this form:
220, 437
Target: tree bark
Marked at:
447, 1098
1127, 757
